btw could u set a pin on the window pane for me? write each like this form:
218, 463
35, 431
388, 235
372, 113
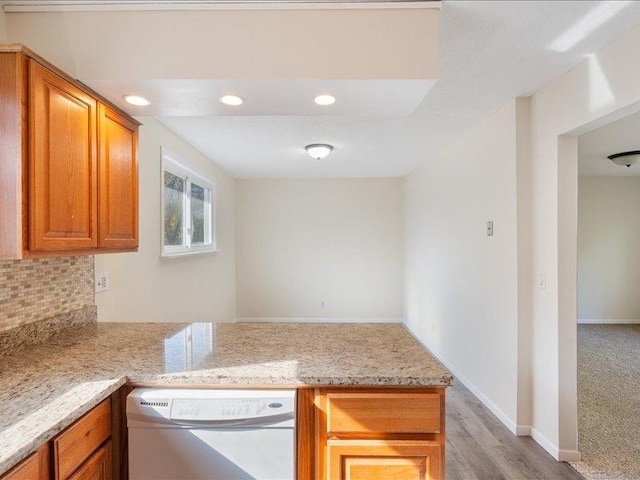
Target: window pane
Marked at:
173, 207
199, 214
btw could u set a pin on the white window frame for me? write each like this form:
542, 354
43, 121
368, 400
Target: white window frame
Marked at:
171, 164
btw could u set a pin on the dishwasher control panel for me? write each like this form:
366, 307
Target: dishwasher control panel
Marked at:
178, 405
225, 409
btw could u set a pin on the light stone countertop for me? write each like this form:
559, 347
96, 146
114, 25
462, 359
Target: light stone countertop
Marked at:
46, 388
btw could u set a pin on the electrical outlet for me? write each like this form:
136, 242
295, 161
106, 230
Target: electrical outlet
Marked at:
101, 282
322, 304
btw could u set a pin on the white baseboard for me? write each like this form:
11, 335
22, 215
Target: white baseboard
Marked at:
568, 456
545, 443
560, 455
318, 320
596, 321
504, 418
519, 430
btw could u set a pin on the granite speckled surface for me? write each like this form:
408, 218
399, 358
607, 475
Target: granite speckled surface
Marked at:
46, 388
31, 334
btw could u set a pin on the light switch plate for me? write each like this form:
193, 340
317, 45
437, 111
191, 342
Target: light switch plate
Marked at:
490, 228
542, 281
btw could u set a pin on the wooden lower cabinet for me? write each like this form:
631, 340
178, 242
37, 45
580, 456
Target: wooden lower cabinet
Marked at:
383, 459
34, 467
83, 451
76, 444
98, 467
374, 434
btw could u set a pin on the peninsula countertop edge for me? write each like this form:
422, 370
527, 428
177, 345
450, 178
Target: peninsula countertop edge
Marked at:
47, 387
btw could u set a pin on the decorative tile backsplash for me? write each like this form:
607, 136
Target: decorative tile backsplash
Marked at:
35, 290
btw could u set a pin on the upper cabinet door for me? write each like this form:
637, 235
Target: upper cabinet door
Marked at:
62, 164
118, 181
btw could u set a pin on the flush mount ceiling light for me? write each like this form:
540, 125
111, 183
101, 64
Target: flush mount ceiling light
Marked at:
231, 100
325, 100
625, 159
318, 150
136, 100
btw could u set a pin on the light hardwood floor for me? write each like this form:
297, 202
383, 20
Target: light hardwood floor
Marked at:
480, 447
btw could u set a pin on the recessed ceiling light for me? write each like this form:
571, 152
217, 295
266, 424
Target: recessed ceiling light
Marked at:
325, 100
136, 100
232, 100
318, 150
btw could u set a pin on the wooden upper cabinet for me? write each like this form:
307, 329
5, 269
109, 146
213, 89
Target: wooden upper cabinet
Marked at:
62, 164
118, 180
68, 166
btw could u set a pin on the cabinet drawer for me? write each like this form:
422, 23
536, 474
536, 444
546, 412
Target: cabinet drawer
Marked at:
383, 460
383, 413
80, 440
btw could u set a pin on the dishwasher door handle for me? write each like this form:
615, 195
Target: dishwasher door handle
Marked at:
236, 422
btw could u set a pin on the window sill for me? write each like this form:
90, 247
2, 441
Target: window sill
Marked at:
188, 254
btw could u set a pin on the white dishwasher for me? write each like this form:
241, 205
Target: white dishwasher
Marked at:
179, 434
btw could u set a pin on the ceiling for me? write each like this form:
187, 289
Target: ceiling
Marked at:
199, 98
593, 148
491, 52
380, 63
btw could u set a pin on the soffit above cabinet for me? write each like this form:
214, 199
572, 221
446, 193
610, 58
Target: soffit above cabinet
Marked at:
102, 5
378, 61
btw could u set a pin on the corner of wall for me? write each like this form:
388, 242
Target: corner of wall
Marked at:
519, 430
567, 290
525, 276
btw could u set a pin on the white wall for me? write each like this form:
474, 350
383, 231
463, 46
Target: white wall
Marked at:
461, 286
266, 44
608, 249
446, 265
3, 27
145, 288
300, 242
603, 88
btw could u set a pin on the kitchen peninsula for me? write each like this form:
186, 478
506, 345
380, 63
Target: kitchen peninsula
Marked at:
363, 389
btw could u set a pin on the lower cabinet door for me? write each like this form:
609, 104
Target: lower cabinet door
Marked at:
34, 467
383, 460
97, 467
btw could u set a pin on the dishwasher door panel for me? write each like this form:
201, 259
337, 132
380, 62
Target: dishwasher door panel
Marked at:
174, 453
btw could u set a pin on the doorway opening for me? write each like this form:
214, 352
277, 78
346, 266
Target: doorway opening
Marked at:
608, 302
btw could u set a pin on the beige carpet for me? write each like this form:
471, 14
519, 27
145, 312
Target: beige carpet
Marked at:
609, 402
